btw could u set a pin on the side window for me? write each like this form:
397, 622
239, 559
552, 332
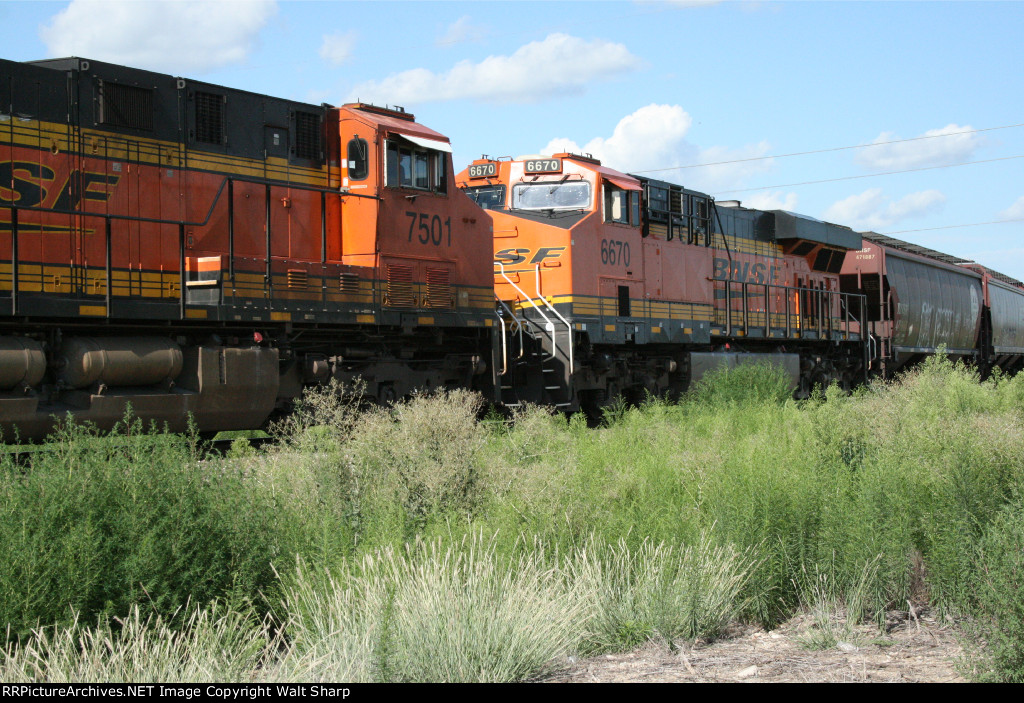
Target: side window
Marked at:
358, 159
634, 212
616, 204
410, 166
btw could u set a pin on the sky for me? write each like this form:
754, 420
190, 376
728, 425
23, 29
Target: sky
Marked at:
913, 111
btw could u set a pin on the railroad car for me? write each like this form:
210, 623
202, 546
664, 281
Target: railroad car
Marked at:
617, 285
919, 299
187, 248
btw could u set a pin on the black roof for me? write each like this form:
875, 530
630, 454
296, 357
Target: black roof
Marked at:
937, 255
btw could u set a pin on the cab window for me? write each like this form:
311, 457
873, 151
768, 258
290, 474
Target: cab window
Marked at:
412, 166
488, 197
358, 159
621, 205
573, 195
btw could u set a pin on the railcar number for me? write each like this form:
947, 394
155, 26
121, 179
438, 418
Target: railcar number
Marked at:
483, 170
543, 166
429, 229
614, 252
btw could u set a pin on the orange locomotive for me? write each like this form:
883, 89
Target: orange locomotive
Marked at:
611, 284
189, 248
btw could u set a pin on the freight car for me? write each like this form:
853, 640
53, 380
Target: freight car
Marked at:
611, 284
919, 299
187, 248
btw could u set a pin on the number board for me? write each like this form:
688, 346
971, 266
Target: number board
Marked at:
483, 170
543, 166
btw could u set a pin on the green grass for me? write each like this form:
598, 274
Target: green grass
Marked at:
667, 522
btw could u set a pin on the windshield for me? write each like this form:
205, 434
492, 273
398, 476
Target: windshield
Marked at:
551, 196
488, 197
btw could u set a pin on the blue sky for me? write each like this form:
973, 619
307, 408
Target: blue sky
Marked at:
646, 86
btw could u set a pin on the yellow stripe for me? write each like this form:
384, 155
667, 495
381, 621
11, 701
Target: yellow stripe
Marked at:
92, 310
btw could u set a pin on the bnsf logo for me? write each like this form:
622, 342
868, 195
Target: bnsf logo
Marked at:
743, 271
28, 184
518, 256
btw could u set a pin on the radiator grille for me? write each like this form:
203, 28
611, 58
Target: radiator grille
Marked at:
125, 106
307, 135
348, 283
298, 279
439, 289
209, 118
401, 291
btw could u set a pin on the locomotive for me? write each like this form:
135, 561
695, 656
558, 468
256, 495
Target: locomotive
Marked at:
616, 285
195, 251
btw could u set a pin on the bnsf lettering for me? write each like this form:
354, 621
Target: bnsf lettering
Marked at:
22, 182
546, 253
510, 257
743, 271
95, 187
28, 184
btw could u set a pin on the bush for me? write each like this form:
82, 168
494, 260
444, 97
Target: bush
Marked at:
432, 614
95, 526
745, 383
657, 590
205, 645
998, 602
418, 461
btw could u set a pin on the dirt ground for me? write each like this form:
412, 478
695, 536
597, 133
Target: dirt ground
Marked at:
913, 649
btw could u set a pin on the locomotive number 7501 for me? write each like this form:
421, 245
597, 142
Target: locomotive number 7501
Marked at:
430, 229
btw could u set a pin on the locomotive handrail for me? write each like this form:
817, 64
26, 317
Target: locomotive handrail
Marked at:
227, 181
568, 327
526, 296
517, 329
818, 313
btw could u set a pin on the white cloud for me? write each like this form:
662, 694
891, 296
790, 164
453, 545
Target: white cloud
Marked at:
557, 65
872, 210
173, 37
641, 140
462, 30
337, 48
1015, 211
653, 139
772, 200
933, 150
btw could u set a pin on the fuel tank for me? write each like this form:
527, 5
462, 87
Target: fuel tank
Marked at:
22, 362
117, 361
